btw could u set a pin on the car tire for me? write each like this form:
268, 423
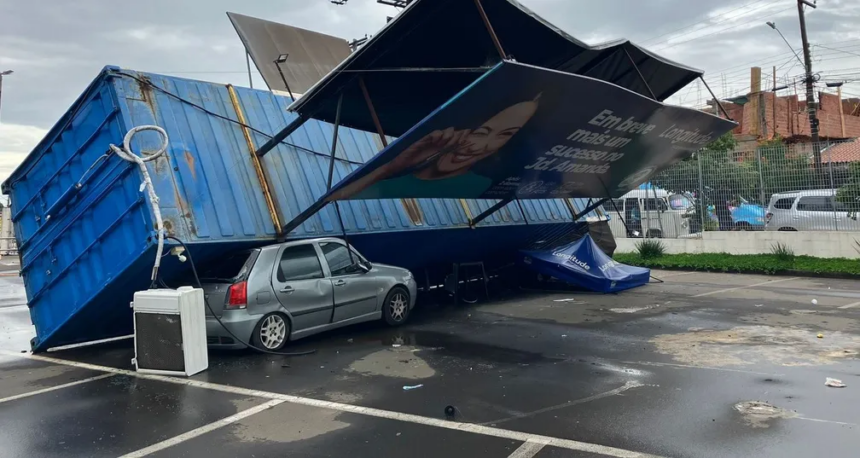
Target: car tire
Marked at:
272, 332
743, 226
395, 309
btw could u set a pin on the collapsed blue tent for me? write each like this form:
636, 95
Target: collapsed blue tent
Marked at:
583, 263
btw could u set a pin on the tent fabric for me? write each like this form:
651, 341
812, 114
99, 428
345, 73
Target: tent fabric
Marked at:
312, 55
435, 48
584, 264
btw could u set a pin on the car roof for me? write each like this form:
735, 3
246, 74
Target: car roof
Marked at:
807, 193
305, 241
644, 193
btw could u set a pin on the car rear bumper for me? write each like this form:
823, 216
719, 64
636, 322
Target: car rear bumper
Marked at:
239, 322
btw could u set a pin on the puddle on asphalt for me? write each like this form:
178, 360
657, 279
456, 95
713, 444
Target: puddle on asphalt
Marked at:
760, 414
400, 362
758, 345
287, 423
823, 319
455, 345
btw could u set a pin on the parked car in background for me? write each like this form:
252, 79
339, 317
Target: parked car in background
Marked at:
814, 210
746, 216
271, 295
647, 213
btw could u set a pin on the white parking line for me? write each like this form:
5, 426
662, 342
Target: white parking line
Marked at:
719, 291
54, 388
157, 447
377, 413
850, 306
92, 342
527, 450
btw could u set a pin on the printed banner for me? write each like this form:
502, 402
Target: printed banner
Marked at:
530, 133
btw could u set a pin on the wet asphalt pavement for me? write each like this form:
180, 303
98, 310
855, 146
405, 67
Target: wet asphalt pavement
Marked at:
663, 370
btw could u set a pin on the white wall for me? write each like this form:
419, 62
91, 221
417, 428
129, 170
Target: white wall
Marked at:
821, 244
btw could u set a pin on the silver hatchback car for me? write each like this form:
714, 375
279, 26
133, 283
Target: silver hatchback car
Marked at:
271, 295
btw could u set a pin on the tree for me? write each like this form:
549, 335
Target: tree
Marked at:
782, 170
722, 178
719, 170
849, 194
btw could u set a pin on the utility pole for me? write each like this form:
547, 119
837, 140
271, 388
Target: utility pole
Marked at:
773, 107
2, 74
810, 90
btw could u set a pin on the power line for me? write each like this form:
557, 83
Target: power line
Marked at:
839, 50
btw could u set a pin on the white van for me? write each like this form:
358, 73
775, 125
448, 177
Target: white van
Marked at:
650, 213
814, 210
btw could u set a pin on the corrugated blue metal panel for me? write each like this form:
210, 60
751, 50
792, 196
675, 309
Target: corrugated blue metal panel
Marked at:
85, 249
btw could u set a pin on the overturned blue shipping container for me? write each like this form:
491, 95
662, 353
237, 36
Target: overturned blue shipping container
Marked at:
86, 232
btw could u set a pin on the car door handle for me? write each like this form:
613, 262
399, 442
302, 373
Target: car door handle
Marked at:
287, 289
339, 282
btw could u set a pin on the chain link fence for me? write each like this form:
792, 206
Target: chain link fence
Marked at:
772, 187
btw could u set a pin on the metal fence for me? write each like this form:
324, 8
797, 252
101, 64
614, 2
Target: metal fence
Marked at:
796, 187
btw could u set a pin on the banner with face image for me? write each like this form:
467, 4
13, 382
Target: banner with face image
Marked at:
530, 133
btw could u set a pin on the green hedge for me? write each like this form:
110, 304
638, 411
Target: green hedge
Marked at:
746, 263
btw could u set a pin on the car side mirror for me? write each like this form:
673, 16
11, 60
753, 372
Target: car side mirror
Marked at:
364, 266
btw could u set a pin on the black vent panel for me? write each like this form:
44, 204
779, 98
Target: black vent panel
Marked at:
159, 342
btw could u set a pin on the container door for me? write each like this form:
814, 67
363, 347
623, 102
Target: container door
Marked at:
355, 292
302, 287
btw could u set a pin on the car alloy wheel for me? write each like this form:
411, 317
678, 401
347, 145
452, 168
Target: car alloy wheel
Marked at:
398, 306
273, 332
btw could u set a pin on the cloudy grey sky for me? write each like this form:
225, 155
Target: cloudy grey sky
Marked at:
56, 47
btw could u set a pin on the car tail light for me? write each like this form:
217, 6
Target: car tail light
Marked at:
237, 296
768, 216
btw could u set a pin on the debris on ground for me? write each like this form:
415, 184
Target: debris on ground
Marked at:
567, 299
759, 414
395, 345
349, 340
834, 383
633, 309
412, 387
815, 302
450, 412
564, 335
759, 305
820, 335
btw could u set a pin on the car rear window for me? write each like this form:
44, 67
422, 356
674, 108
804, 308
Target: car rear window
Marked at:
229, 267
784, 203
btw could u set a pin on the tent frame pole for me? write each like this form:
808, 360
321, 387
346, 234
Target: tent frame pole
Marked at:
331, 176
373, 114
589, 208
638, 72
492, 32
522, 212
334, 142
486, 213
716, 100
280, 136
